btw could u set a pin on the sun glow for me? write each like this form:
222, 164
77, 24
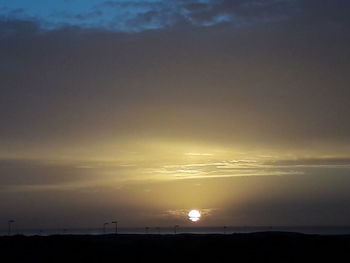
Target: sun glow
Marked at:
194, 215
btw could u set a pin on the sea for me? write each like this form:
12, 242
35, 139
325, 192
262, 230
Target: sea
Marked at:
320, 230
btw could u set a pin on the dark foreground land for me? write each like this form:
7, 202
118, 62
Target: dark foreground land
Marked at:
254, 247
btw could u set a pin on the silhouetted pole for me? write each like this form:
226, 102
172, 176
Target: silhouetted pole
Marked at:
116, 226
175, 229
10, 222
104, 228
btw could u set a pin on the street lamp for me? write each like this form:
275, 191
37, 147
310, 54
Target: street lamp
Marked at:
104, 227
175, 228
10, 222
116, 226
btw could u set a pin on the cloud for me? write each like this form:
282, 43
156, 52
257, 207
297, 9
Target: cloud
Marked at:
312, 162
222, 169
34, 175
18, 28
138, 16
254, 85
143, 15
183, 213
63, 175
38, 173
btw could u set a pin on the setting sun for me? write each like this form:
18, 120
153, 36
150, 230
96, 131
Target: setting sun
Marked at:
194, 215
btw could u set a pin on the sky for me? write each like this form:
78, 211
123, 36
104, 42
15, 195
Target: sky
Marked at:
139, 111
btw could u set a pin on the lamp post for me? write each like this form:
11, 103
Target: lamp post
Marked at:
116, 226
104, 228
175, 229
10, 222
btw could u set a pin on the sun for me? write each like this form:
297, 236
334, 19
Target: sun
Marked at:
194, 215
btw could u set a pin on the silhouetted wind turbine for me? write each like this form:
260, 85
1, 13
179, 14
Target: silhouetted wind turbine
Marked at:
10, 222
116, 226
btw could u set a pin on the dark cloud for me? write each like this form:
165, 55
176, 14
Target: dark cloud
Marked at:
196, 7
37, 173
136, 16
256, 83
324, 12
248, 12
19, 28
318, 199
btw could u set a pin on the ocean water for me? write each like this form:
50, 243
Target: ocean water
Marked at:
321, 230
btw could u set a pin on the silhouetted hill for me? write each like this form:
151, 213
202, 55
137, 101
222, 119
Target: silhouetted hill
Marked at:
254, 247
